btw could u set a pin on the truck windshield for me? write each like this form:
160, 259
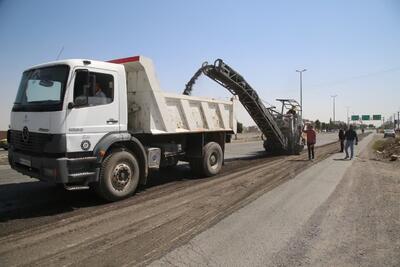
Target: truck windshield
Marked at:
42, 89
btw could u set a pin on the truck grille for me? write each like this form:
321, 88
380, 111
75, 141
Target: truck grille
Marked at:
35, 143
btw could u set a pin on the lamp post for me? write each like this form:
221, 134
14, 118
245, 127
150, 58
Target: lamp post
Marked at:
301, 88
334, 97
348, 118
398, 120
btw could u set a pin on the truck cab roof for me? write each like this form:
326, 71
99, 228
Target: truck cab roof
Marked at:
113, 64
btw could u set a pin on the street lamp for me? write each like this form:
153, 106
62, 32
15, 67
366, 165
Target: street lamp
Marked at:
301, 88
334, 97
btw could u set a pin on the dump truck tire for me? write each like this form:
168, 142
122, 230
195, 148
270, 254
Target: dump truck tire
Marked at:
211, 162
212, 159
119, 176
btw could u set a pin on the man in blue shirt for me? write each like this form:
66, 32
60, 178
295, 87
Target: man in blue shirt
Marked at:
351, 137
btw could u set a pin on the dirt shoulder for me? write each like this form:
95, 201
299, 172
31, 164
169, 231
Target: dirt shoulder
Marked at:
387, 148
359, 225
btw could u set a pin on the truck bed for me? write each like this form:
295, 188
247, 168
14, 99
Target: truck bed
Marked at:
153, 111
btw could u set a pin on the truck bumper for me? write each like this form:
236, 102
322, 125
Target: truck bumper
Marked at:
57, 170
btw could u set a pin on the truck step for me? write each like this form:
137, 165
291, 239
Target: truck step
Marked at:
76, 187
81, 175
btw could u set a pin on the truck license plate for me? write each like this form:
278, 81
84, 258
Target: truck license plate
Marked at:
26, 162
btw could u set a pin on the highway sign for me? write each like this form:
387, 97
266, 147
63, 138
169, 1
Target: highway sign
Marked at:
376, 117
365, 117
355, 117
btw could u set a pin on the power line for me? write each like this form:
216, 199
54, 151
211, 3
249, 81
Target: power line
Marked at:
356, 77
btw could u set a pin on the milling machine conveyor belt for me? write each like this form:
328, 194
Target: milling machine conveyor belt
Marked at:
237, 85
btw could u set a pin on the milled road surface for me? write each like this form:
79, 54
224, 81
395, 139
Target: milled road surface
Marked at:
336, 213
255, 148
46, 226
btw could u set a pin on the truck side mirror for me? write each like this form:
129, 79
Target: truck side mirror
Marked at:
80, 101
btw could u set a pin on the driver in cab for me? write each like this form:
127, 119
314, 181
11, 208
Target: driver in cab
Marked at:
99, 91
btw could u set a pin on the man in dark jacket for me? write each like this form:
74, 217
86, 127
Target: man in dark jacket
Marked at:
351, 138
341, 139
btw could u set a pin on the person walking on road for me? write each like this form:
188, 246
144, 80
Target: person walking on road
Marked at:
341, 139
311, 139
351, 139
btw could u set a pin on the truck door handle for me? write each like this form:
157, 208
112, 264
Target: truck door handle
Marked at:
112, 121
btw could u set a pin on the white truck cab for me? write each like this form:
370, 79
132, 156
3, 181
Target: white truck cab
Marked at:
87, 123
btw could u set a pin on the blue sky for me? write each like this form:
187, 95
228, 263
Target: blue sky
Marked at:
350, 48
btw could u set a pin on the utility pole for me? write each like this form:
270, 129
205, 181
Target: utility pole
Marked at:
301, 89
348, 118
398, 120
334, 118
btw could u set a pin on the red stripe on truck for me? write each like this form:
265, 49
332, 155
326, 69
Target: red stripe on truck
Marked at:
124, 60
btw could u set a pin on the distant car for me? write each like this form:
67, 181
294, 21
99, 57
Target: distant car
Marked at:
4, 144
389, 133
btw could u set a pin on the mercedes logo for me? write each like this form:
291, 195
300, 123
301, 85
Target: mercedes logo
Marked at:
25, 134
85, 145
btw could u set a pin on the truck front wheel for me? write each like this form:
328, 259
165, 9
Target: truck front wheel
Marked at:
119, 176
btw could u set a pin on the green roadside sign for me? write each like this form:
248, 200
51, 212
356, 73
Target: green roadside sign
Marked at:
376, 117
355, 117
365, 117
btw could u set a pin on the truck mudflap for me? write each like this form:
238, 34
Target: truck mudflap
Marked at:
57, 170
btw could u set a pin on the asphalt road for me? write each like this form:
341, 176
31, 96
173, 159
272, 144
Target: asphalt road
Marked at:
255, 148
41, 225
296, 224
233, 151
251, 215
3, 154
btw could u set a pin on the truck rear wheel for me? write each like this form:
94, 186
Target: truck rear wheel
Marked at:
211, 162
119, 176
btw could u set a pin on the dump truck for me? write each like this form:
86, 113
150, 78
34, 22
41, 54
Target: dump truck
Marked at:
86, 123
105, 125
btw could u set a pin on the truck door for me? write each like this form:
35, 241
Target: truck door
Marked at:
94, 109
